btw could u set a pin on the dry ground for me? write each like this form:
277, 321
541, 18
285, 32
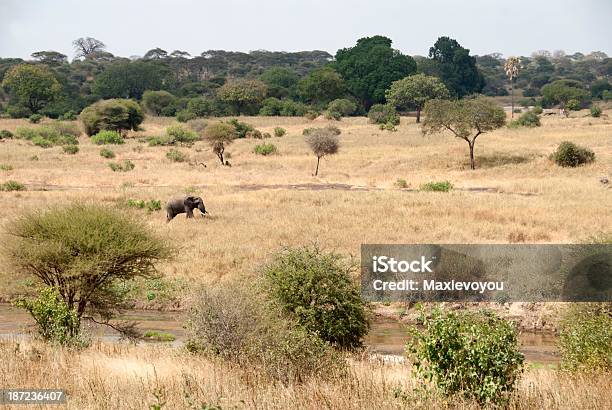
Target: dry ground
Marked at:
256, 206
127, 377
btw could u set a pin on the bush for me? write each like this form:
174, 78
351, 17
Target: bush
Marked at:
317, 290
71, 149
5, 134
279, 132
286, 108
475, 354
12, 186
401, 183
86, 252
383, 114
442, 186
175, 155
160, 141
329, 129
585, 338
537, 110
245, 328
41, 142
66, 128
56, 322
265, 149
17, 111
113, 115
158, 102
35, 118
341, 108
311, 115
151, 205
256, 134
68, 116
125, 166
569, 154
180, 134
266, 135
6, 167
185, 115
573, 105
387, 127
528, 119
242, 129
106, 153
595, 111
107, 137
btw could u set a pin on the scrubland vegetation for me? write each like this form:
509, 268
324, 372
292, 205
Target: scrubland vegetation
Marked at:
266, 282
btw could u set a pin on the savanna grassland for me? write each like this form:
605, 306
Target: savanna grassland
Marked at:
260, 204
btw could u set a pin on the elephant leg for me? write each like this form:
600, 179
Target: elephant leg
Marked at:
189, 212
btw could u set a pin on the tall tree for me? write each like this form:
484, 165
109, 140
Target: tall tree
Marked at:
155, 54
87, 46
456, 68
511, 67
129, 79
321, 86
242, 93
415, 91
31, 86
50, 57
466, 119
370, 67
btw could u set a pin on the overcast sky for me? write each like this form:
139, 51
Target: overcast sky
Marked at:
131, 27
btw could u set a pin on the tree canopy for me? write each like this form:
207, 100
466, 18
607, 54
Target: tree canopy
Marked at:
415, 91
370, 67
129, 79
31, 86
455, 67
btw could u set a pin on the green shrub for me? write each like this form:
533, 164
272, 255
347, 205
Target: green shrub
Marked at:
311, 115
107, 137
585, 338
528, 119
180, 134
332, 115
279, 131
158, 336
6, 167
68, 116
185, 115
569, 154
17, 111
329, 129
265, 149
35, 118
441, 186
341, 108
243, 327
317, 290
175, 155
41, 142
595, 111
26, 133
256, 134
387, 127
157, 102
71, 149
151, 205
383, 114
401, 183
107, 153
537, 110
242, 129
55, 321
112, 115
474, 354
125, 166
573, 105
287, 108
12, 186
5, 134
66, 128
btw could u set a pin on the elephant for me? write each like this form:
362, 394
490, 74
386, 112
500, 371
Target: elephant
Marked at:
184, 205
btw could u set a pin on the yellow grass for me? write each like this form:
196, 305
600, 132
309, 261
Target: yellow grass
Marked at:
127, 377
256, 206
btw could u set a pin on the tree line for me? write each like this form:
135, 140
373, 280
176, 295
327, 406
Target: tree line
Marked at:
221, 82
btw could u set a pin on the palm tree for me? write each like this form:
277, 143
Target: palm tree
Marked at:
511, 67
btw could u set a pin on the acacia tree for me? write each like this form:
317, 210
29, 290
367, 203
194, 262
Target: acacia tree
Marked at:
322, 142
82, 253
466, 119
219, 136
32, 86
511, 67
241, 93
415, 91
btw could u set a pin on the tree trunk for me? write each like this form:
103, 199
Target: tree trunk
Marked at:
418, 115
472, 163
512, 96
317, 170
220, 155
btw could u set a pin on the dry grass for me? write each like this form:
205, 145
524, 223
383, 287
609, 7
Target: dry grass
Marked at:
128, 377
256, 206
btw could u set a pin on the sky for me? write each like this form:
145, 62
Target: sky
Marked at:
131, 27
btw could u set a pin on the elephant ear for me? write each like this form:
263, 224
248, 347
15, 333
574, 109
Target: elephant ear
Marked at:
189, 200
